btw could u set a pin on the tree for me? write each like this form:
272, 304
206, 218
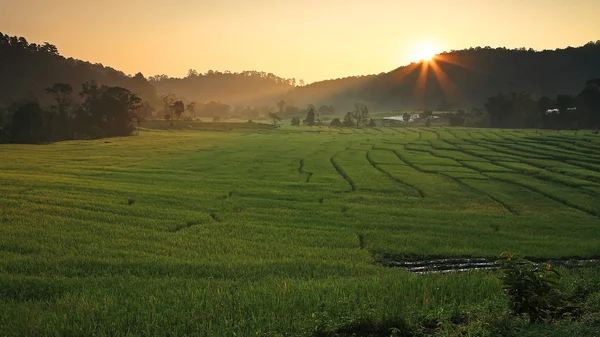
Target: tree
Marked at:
372, 123
426, 114
498, 107
310, 116
168, 101
178, 109
274, 118
457, 118
348, 119
295, 121
360, 114
113, 109
589, 104
406, 117
192, 73
27, 123
191, 109
335, 122
61, 93
167, 117
60, 124
326, 109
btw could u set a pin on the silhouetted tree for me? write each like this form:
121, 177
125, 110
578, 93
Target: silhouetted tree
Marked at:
348, 119
295, 121
191, 109
27, 124
113, 109
360, 114
59, 122
589, 106
310, 116
61, 93
335, 122
274, 118
178, 109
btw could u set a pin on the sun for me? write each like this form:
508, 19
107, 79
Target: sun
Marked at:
424, 51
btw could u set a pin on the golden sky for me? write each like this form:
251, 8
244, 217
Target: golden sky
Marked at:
306, 39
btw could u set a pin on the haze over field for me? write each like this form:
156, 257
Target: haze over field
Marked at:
309, 39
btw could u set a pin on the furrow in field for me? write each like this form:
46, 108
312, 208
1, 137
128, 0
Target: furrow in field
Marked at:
341, 172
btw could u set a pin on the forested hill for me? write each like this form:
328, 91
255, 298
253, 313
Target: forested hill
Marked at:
27, 69
244, 88
468, 77
453, 80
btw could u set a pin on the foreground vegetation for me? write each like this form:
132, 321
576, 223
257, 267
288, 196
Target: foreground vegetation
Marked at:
261, 231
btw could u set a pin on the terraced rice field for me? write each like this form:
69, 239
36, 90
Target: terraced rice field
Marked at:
283, 231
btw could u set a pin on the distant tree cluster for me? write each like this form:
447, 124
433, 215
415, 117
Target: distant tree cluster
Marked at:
103, 112
359, 116
520, 110
237, 88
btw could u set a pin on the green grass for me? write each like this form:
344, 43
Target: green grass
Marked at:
221, 229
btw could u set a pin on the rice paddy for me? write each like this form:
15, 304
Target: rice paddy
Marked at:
257, 231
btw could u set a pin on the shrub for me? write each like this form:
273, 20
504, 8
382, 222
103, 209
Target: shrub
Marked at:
335, 122
295, 121
216, 119
96, 132
530, 288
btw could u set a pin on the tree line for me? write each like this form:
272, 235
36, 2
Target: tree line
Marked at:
101, 111
521, 110
357, 117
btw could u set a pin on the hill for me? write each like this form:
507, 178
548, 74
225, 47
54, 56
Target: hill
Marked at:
463, 79
28, 69
243, 88
452, 80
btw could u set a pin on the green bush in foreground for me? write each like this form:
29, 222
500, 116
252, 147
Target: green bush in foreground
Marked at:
532, 289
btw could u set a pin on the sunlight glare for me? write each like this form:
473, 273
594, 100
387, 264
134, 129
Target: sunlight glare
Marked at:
425, 51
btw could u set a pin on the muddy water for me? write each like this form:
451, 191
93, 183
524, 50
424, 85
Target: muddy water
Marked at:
466, 264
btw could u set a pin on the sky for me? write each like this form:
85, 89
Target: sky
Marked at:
308, 39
